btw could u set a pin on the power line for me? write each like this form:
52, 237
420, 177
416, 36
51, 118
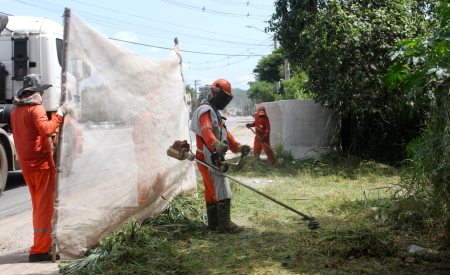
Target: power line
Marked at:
248, 4
241, 82
147, 18
219, 67
228, 57
203, 9
113, 22
135, 43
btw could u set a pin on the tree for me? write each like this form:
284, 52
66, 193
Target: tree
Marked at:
343, 46
262, 91
295, 88
268, 67
422, 70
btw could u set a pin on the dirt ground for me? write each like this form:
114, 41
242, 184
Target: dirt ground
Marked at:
15, 240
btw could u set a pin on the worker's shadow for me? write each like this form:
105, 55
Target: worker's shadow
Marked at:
14, 180
14, 258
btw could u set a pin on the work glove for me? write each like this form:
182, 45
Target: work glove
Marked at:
221, 147
222, 169
215, 171
262, 140
62, 110
248, 125
244, 149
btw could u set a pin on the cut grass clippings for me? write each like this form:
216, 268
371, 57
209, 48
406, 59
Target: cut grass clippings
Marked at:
358, 234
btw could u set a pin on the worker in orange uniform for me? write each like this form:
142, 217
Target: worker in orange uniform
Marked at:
213, 141
149, 176
262, 138
32, 130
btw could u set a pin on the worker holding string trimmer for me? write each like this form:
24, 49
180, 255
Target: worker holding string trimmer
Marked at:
262, 135
213, 141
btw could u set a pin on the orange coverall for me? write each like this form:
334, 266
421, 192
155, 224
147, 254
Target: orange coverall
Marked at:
32, 130
147, 158
209, 138
262, 129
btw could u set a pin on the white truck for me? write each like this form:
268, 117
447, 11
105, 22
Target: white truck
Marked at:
33, 45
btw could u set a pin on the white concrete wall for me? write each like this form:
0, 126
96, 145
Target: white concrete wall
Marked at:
302, 125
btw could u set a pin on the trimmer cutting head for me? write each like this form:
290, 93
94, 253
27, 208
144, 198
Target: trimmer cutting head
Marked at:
313, 224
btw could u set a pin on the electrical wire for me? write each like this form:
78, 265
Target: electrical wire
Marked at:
159, 21
203, 9
147, 45
105, 21
247, 4
228, 55
118, 24
243, 81
226, 58
218, 67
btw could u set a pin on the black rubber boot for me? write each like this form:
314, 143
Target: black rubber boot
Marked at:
44, 257
224, 217
211, 212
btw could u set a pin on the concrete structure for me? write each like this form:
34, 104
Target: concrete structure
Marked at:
303, 127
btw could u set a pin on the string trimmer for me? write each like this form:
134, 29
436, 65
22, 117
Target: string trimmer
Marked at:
180, 150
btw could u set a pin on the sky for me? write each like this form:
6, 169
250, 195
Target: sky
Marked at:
213, 38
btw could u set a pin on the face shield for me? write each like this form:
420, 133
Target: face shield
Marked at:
220, 99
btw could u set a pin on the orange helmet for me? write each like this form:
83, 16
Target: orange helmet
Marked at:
222, 85
261, 110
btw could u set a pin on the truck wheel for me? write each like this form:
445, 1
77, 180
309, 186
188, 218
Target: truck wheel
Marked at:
3, 168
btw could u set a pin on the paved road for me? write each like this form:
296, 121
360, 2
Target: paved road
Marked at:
16, 198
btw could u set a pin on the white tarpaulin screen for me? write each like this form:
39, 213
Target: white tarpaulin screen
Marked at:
125, 112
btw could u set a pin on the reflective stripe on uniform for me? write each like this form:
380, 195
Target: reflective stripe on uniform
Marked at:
206, 126
43, 230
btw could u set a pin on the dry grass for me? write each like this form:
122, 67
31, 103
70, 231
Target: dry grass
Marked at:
359, 233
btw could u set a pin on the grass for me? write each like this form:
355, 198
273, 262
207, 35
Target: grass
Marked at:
359, 234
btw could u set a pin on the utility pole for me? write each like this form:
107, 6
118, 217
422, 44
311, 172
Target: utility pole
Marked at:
195, 99
287, 75
196, 82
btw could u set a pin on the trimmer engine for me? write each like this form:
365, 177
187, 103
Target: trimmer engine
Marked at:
180, 150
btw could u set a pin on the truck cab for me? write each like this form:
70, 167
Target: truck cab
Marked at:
32, 45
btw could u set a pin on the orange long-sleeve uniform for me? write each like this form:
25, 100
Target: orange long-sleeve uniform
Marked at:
32, 130
262, 129
209, 138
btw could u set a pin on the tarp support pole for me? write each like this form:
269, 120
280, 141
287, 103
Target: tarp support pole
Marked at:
60, 132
